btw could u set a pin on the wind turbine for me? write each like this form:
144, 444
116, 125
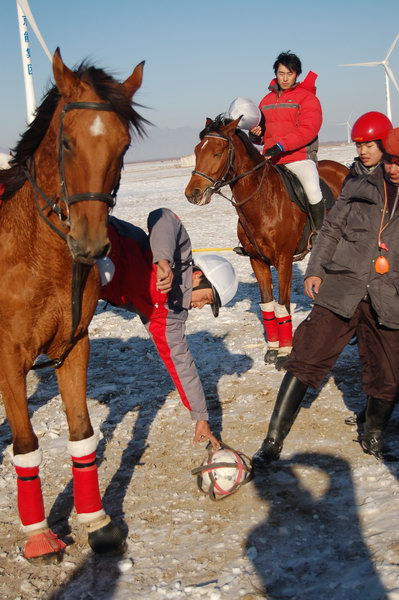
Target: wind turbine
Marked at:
24, 16
388, 73
348, 129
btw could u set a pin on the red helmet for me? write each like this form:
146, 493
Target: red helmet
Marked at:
371, 126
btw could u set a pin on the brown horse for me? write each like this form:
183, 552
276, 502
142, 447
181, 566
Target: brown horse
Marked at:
270, 226
55, 200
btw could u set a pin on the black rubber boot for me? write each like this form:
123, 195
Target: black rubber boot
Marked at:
378, 413
317, 212
285, 410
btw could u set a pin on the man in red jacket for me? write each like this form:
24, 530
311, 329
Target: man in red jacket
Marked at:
292, 118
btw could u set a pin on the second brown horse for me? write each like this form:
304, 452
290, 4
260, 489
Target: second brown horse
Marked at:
270, 226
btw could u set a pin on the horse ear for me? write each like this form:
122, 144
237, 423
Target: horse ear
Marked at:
230, 127
133, 82
208, 121
66, 81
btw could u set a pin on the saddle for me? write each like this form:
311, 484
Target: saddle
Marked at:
297, 194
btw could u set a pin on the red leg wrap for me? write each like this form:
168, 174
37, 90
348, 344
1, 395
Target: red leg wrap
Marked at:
30, 498
284, 331
270, 326
86, 491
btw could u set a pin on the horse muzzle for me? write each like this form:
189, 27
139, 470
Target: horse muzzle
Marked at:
199, 197
87, 252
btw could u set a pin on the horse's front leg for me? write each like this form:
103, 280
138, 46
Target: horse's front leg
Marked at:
103, 535
41, 541
264, 277
283, 310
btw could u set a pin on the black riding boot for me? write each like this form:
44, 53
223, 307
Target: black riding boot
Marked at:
317, 212
285, 410
378, 413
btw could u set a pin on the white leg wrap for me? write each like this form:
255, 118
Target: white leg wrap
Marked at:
280, 310
267, 306
83, 447
35, 527
284, 351
32, 459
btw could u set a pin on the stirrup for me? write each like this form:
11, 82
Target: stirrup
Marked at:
240, 251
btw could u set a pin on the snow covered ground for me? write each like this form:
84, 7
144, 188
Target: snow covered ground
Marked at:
323, 522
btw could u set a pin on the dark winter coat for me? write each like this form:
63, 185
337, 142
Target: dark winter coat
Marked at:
357, 168
346, 249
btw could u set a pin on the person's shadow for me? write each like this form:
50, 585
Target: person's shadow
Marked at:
311, 546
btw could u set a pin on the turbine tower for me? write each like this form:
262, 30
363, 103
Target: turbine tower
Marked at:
24, 17
387, 71
348, 129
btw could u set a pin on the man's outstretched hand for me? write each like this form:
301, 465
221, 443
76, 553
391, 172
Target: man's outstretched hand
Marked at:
203, 434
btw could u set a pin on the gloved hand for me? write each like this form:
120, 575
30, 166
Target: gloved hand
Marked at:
273, 151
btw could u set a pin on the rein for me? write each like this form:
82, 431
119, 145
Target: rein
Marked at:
79, 271
223, 181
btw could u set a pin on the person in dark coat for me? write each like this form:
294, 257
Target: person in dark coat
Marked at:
353, 278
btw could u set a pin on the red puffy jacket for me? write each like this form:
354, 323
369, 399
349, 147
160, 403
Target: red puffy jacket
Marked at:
293, 120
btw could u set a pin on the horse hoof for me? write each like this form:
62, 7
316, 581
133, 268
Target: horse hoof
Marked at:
44, 547
107, 539
280, 361
271, 357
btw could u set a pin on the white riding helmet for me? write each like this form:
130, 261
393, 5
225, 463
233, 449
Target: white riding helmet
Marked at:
221, 275
251, 114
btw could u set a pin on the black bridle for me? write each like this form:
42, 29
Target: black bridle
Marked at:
79, 271
64, 197
223, 181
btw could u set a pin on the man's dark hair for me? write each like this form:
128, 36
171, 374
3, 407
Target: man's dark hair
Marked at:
290, 61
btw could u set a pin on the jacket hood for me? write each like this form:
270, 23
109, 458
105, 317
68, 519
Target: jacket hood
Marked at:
308, 83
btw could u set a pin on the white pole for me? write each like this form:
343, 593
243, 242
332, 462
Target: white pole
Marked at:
389, 111
26, 65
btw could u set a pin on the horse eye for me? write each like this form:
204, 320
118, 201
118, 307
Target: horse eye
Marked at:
218, 154
65, 145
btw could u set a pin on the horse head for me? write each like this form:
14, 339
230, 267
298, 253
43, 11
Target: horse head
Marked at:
91, 128
213, 159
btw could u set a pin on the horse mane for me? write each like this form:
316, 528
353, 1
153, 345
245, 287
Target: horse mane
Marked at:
105, 86
219, 122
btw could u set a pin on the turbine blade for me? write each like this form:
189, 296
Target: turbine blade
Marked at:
392, 46
367, 64
28, 13
391, 76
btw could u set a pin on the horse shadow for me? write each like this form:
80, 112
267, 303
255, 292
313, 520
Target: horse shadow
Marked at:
138, 392
311, 545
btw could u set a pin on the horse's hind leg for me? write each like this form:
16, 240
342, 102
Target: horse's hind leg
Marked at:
103, 535
41, 541
264, 277
283, 310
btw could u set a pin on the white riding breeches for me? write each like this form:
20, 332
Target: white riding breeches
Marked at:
308, 175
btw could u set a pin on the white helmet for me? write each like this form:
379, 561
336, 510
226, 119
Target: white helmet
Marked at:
221, 275
223, 472
250, 113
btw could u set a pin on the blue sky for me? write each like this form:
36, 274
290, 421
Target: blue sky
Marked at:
201, 55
